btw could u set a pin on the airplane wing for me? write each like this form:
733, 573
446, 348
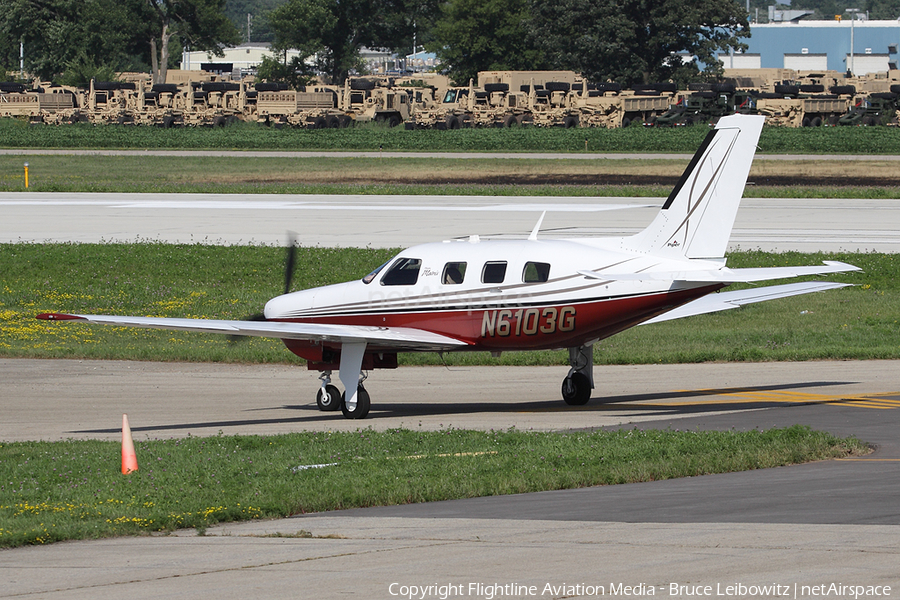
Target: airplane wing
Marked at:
728, 300
404, 338
725, 275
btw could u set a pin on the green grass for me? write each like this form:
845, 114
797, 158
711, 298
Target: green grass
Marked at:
249, 136
232, 282
74, 489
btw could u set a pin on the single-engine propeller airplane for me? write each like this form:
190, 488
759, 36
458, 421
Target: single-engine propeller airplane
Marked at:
535, 293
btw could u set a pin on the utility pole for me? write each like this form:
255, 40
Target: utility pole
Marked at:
852, 12
248, 28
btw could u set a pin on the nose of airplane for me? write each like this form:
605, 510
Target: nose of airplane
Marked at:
289, 305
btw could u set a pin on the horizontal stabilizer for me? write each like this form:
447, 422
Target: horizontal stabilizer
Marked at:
391, 337
725, 275
728, 300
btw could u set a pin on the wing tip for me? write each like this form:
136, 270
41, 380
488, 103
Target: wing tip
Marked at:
58, 317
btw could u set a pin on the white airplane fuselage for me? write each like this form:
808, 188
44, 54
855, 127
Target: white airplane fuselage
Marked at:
522, 294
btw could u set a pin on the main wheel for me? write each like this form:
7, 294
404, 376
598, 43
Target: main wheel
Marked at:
576, 389
362, 404
328, 398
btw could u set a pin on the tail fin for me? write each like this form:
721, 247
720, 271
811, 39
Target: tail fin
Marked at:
696, 220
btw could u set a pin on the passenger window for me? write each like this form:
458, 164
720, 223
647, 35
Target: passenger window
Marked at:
403, 272
454, 273
494, 272
536, 272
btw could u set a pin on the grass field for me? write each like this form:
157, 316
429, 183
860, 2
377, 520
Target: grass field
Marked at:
74, 490
247, 136
205, 281
410, 175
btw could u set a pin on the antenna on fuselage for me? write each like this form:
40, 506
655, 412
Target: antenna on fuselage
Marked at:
537, 227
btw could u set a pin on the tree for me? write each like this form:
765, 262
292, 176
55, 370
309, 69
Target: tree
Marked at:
484, 35
56, 32
295, 73
261, 31
199, 24
334, 31
636, 41
883, 9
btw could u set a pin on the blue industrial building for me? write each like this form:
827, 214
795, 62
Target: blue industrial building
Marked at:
821, 45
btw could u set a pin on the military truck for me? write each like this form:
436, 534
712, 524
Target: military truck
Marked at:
373, 101
453, 111
877, 108
314, 107
801, 105
37, 105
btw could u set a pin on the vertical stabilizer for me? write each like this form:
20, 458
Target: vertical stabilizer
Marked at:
696, 220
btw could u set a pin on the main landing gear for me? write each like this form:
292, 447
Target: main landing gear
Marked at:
329, 398
578, 384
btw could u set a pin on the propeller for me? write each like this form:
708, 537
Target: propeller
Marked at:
290, 260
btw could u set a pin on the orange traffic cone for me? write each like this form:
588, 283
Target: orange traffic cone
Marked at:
129, 458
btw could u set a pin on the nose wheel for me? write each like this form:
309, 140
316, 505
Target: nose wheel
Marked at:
576, 389
579, 383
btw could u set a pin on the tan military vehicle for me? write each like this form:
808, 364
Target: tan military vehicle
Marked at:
53, 106
369, 100
314, 107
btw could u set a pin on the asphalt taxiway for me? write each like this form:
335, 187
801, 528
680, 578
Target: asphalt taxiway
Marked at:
832, 523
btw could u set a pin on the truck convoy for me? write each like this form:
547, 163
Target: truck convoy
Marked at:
496, 99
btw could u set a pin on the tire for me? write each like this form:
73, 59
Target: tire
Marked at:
570, 122
393, 121
576, 389
451, 123
525, 120
333, 122
362, 404
333, 400
510, 121
318, 123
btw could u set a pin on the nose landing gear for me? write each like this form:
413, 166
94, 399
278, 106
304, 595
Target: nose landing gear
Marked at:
578, 384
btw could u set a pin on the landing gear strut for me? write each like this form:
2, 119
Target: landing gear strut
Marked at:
577, 386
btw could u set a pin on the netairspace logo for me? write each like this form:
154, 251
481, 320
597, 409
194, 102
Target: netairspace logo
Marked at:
492, 591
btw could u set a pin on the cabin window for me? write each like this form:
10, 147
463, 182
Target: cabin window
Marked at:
494, 272
536, 272
405, 271
454, 273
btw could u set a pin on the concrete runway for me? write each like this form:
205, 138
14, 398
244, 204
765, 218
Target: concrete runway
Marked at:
828, 523
778, 224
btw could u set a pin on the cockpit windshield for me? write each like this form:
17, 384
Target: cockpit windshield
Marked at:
371, 276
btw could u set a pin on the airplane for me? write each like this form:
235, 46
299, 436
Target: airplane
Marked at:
504, 295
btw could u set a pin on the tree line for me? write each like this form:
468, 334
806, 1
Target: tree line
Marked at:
628, 41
